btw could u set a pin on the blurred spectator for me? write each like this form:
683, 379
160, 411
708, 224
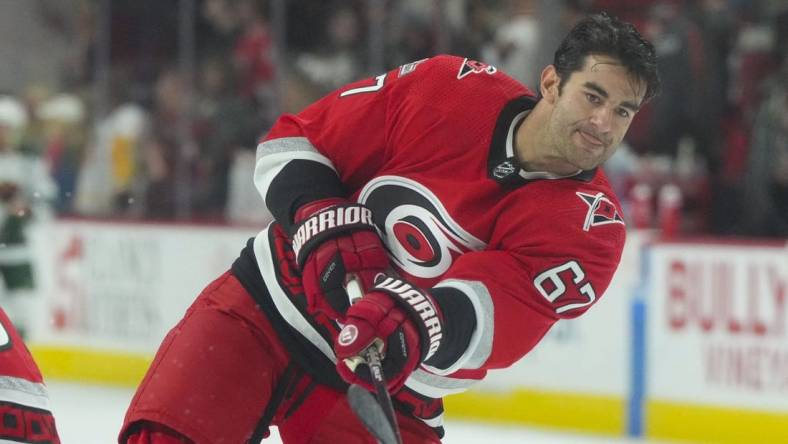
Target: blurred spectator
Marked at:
63, 118
515, 45
752, 61
25, 192
111, 178
766, 178
717, 27
33, 138
477, 32
164, 150
681, 60
718, 123
707, 131
219, 28
252, 53
225, 122
672, 127
243, 200
412, 38
336, 62
82, 34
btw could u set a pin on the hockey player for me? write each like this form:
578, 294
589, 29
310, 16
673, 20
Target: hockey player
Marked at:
25, 191
472, 211
24, 402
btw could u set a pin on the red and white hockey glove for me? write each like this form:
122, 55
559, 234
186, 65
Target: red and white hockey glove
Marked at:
334, 238
404, 318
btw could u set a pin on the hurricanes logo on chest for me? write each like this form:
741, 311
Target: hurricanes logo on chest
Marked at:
422, 237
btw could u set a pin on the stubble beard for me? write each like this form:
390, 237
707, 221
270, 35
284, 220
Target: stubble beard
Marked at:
579, 156
560, 142
564, 147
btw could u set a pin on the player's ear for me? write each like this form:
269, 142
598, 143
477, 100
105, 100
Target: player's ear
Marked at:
549, 83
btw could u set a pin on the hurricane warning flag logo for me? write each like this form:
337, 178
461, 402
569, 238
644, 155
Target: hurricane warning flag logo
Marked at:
475, 67
601, 210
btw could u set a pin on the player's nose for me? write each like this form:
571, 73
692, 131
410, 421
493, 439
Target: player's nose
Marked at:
602, 120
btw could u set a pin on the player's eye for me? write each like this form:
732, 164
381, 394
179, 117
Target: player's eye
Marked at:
593, 99
623, 112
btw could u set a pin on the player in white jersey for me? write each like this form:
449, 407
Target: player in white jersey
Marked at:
25, 189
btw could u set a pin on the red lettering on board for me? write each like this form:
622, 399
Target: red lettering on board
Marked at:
719, 296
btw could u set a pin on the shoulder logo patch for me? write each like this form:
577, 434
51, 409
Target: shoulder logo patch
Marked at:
601, 210
409, 68
474, 67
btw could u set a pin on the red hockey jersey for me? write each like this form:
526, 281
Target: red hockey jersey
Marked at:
24, 402
429, 148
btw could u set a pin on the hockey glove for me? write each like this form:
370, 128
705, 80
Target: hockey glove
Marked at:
334, 238
405, 319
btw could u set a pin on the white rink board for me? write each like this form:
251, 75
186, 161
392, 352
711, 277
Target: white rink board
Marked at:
718, 325
123, 285
589, 354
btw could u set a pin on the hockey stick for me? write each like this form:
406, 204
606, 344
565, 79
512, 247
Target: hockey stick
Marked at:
376, 413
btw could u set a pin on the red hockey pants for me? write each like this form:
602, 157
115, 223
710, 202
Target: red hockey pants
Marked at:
215, 373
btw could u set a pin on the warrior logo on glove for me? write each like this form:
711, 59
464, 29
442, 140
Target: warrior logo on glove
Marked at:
333, 239
422, 306
403, 321
338, 218
348, 334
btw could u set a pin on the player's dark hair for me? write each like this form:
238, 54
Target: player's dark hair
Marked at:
605, 35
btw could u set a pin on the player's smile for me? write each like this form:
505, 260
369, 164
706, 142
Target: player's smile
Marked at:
589, 141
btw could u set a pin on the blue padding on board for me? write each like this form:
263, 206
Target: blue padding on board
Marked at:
637, 389
638, 369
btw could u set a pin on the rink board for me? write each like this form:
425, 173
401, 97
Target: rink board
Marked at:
85, 365
587, 413
112, 291
714, 424
717, 345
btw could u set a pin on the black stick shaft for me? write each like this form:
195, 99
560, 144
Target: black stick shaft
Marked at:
372, 357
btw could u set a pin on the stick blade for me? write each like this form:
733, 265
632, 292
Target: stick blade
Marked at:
371, 414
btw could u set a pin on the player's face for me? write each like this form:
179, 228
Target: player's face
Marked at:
593, 112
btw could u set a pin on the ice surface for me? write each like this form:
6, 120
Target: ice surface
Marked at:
87, 414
